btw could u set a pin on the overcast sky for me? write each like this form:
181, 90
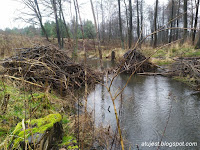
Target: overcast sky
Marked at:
8, 11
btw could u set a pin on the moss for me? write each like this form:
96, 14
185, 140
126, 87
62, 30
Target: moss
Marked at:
69, 142
39, 126
3, 131
39, 103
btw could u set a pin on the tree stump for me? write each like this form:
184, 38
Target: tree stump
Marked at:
113, 56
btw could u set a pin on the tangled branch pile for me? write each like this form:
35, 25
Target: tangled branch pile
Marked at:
189, 66
47, 64
134, 59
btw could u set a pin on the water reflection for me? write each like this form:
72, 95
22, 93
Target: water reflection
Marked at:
144, 108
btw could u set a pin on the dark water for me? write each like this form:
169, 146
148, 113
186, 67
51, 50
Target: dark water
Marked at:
144, 109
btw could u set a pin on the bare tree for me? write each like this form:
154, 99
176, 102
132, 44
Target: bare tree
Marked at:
130, 24
34, 8
127, 22
195, 23
177, 21
155, 23
63, 18
192, 17
102, 23
97, 36
185, 20
141, 18
120, 25
171, 24
54, 6
75, 34
138, 19
163, 23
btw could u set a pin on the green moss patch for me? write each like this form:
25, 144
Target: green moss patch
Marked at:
35, 126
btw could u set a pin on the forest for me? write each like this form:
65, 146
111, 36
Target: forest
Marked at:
100, 75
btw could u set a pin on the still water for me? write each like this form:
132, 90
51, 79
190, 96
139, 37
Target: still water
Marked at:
144, 108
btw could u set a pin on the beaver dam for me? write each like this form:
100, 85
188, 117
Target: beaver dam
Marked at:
47, 64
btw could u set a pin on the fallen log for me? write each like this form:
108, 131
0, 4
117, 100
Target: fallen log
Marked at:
154, 74
43, 133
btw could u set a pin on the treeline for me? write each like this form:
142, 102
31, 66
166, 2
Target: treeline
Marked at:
50, 28
126, 20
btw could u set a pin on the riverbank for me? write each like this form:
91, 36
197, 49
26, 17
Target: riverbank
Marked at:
23, 102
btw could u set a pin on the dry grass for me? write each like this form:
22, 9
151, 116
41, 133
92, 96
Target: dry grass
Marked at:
166, 55
10, 44
91, 136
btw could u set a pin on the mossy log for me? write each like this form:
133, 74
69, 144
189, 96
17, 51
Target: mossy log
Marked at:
43, 134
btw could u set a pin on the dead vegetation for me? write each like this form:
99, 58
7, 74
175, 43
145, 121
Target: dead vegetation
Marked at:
48, 65
91, 137
9, 43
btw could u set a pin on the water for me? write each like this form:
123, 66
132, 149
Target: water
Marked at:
144, 109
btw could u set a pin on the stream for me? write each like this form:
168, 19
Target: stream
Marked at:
147, 106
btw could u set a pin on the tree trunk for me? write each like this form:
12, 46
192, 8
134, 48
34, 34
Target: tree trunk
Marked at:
141, 19
39, 16
103, 27
192, 18
171, 24
127, 22
177, 22
155, 24
110, 30
120, 25
75, 36
130, 24
196, 21
138, 20
97, 36
57, 23
61, 23
163, 23
63, 18
185, 20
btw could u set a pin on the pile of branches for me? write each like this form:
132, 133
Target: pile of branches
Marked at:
47, 64
188, 66
136, 60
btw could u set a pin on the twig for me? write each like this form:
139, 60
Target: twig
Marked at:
165, 126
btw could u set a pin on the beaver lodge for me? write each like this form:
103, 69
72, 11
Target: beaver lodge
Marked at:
135, 61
